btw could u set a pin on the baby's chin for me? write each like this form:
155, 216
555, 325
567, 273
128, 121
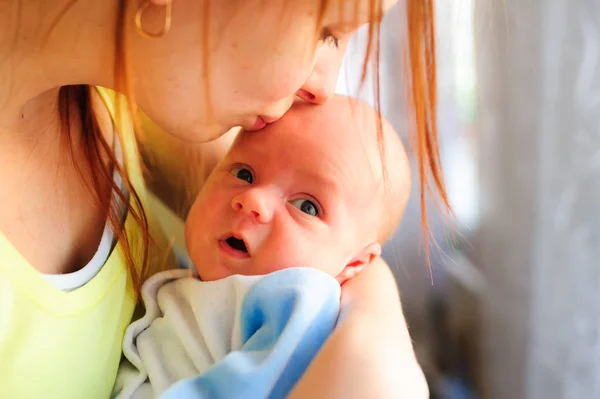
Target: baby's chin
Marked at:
212, 269
212, 274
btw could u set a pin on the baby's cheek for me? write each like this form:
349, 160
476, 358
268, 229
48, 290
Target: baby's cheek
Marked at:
194, 223
278, 257
314, 257
329, 259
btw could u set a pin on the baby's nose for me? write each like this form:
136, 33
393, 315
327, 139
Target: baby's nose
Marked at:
254, 203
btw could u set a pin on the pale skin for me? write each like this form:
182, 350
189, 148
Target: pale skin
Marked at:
45, 208
308, 191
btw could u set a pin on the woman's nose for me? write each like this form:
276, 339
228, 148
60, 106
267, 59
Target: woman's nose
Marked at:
321, 82
255, 203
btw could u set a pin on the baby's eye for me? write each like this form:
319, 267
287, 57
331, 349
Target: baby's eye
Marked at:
243, 174
306, 206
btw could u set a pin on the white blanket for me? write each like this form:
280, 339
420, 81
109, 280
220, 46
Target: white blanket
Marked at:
230, 337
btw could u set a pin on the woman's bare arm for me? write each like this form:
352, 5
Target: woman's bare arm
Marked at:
370, 354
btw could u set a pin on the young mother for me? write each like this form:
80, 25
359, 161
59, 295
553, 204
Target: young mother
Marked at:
74, 225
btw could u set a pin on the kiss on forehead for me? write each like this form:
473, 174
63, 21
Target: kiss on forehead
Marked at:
283, 198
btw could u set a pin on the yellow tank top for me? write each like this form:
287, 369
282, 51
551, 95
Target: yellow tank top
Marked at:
57, 344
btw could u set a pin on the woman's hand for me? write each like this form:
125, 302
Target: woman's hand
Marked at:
370, 354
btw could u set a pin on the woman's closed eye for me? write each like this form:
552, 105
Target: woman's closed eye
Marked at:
306, 206
243, 173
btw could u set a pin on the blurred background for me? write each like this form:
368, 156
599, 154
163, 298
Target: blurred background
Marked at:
511, 305
511, 308
443, 304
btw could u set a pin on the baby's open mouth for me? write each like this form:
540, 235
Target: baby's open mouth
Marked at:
237, 244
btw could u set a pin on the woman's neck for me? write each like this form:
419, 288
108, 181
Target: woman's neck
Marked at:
40, 50
46, 209
41, 54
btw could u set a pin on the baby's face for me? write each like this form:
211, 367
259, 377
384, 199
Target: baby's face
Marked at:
296, 194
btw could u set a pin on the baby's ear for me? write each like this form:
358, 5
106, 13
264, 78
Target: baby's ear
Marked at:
359, 262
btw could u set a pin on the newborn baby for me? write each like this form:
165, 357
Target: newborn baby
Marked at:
289, 214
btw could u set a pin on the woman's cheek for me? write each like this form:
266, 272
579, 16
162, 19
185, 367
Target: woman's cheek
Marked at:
284, 80
274, 87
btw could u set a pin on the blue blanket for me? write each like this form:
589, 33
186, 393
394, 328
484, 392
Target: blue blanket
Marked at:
285, 319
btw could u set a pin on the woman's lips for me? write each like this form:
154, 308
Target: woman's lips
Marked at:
262, 121
258, 124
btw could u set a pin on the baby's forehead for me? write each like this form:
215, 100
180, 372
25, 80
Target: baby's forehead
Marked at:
327, 153
343, 141
319, 142
341, 125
